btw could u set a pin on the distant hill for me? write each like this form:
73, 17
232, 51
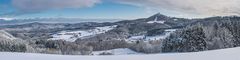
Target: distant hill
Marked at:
54, 20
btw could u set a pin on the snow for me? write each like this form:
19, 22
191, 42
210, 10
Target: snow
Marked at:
171, 30
150, 38
136, 37
6, 35
73, 35
155, 21
119, 51
223, 54
175, 19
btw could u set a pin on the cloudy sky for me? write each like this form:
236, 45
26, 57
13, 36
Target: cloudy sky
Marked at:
117, 9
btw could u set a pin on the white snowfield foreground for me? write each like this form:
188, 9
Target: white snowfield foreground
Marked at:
224, 54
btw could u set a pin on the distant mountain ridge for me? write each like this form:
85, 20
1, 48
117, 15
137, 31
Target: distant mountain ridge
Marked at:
54, 20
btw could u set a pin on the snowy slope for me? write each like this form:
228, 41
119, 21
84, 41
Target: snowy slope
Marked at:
167, 33
5, 35
150, 38
73, 35
224, 54
119, 51
155, 22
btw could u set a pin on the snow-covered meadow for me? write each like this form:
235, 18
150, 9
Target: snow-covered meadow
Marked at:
167, 33
119, 51
73, 35
222, 54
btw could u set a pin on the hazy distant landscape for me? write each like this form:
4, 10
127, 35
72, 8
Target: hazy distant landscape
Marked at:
54, 20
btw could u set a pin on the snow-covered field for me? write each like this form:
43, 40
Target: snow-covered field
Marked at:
150, 38
119, 51
224, 54
73, 35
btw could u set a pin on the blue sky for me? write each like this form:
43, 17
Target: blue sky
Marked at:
104, 10
117, 9
5, 6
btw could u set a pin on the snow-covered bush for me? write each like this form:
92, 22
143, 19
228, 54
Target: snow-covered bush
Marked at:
10, 43
105, 44
190, 39
146, 47
207, 34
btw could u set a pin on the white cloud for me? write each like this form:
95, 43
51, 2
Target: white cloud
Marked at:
41, 5
6, 18
190, 7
